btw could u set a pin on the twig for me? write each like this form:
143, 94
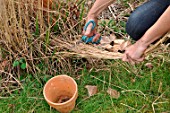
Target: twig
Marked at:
6, 97
161, 102
1, 71
134, 91
131, 7
112, 12
129, 107
154, 102
107, 83
150, 49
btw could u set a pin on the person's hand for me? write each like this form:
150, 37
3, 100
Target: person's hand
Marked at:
134, 53
89, 32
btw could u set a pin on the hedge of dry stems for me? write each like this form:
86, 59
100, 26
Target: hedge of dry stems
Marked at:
42, 32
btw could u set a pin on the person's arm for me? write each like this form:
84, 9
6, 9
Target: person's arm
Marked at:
96, 9
161, 27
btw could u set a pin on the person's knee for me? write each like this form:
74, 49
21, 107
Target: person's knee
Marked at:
144, 17
134, 27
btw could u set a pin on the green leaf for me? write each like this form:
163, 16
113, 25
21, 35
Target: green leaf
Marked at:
23, 66
15, 63
37, 30
56, 27
47, 37
110, 23
82, 10
22, 60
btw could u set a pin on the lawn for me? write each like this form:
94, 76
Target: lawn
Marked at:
31, 54
141, 90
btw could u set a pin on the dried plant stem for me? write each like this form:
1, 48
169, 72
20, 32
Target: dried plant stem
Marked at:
1, 71
153, 47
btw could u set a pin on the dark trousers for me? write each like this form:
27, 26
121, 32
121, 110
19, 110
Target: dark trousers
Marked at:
144, 17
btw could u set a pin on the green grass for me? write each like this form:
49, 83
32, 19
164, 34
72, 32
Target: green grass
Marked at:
139, 88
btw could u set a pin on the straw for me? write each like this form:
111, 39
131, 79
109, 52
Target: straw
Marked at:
93, 51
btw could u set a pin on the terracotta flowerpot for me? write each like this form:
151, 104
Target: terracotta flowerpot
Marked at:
61, 93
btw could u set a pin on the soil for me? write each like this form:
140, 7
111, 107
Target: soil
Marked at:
62, 99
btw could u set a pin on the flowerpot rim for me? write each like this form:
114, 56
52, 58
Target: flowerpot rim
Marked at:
58, 104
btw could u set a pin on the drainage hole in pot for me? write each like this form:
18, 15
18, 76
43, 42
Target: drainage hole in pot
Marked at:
62, 99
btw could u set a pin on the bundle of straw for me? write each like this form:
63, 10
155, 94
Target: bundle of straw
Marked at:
91, 51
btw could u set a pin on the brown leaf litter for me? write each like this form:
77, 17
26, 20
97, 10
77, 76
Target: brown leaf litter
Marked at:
113, 93
149, 65
92, 90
